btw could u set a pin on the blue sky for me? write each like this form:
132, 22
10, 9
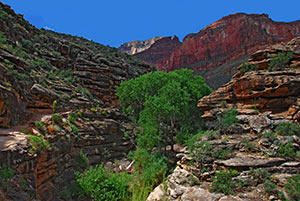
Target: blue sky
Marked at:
113, 22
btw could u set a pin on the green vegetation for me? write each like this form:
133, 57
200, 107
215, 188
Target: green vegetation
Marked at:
227, 119
280, 61
103, 185
57, 118
160, 103
5, 174
288, 129
246, 67
39, 124
223, 183
81, 161
38, 143
293, 187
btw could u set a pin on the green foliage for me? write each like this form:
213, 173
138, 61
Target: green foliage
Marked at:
228, 118
293, 187
288, 129
57, 118
41, 63
246, 67
103, 185
81, 161
270, 187
2, 39
280, 61
38, 143
160, 103
27, 44
5, 174
39, 124
200, 149
72, 117
73, 128
286, 150
259, 174
223, 183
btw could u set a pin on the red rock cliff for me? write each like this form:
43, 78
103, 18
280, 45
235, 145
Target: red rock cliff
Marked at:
218, 49
229, 38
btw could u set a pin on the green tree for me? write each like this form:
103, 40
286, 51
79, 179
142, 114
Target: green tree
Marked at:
163, 104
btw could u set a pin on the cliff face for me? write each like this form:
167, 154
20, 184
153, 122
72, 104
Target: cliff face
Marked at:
137, 46
57, 107
218, 49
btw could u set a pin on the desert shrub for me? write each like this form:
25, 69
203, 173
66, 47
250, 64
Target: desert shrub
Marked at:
2, 39
293, 187
246, 67
228, 118
5, 174
81, 161
280, 61
103, 185
286, 150
259, 174
39, 124
57, 118
288, 129
41, 63
27, 44
38, 143
270, 187
222, 182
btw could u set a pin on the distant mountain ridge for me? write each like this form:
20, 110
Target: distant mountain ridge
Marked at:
219, 48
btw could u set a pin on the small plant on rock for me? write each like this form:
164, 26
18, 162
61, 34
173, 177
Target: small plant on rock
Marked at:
288, 129
223, 183
293, 187
39, 124
5, 174
280, 61
38, 142
246, 67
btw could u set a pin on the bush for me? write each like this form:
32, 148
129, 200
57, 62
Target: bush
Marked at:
280, 61
5, 174
38, 142
81, 161
39, 124
288, 129
293, 187
223, 183
228, 118
246, 67
286, 150
57, 118
103, 185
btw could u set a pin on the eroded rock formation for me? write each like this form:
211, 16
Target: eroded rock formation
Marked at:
58, 107
216, 50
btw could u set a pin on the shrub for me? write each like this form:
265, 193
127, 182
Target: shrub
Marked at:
288, 129
39, 124
73, 128
27, 44
5, 174
81, 161
270, 187
286, 150
246, 67
38, 142
293, 187
223, 183
57, 118
103, 185
280, 61
72, 117
2, 39
42, 63
228, 118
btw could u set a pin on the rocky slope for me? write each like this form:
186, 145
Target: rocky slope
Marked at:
137, 46
58, 108
216, 50
256, 156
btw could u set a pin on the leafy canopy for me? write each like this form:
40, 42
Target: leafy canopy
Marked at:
163, 104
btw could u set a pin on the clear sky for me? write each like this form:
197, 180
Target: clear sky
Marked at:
113, 22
